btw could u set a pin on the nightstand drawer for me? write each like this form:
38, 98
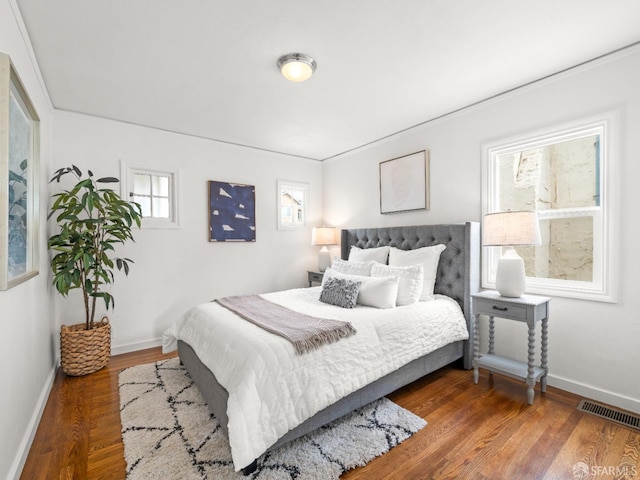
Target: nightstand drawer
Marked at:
499, 309
315, 277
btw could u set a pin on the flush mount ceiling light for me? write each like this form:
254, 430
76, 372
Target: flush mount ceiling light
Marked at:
297, 67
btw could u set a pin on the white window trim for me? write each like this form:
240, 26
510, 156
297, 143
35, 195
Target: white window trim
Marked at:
128, 169
300, 186
604, 286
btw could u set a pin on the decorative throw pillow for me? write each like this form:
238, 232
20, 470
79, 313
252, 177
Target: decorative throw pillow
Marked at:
341, 292
410, 280
352, 268
428, 257
378, 254
374, 292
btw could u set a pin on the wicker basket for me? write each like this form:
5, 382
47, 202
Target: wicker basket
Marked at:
85, 351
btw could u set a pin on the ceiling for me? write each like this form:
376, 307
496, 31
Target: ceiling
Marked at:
208, 68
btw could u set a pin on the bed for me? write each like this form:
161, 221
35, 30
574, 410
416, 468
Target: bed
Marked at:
457, 278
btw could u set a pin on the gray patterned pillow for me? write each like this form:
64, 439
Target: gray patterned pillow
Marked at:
340, 292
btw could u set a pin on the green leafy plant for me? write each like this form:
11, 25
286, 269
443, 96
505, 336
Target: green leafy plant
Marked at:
92, 221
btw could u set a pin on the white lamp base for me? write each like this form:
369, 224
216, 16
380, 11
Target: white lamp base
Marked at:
511, 277
324, 259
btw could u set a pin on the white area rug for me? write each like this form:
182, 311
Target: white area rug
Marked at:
169, 433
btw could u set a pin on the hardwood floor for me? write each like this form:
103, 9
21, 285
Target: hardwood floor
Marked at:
484, 431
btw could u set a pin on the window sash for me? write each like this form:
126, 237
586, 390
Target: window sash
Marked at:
152, 200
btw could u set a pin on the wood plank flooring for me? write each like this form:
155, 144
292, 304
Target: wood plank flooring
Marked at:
484, 431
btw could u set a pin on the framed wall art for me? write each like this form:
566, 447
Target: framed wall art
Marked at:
232, 212
19, 179
404, 183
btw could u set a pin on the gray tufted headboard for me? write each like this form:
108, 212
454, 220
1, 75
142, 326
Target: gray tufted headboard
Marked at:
459, 268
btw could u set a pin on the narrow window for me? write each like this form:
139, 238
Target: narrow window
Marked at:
292, 203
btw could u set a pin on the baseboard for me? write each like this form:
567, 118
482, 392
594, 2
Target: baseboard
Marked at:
132, 347
25, 445
594, 393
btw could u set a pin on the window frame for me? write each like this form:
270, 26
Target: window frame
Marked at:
127, 172
297, 185
603, 287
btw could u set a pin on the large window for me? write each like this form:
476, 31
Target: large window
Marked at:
155, 189
565, 175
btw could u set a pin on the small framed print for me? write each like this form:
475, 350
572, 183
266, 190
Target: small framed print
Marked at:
232, 212
404, 183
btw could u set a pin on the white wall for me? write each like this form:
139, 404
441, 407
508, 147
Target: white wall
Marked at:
26, 311
177, 269
593, 346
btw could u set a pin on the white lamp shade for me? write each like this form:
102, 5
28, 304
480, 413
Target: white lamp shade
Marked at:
324, 236
511, 228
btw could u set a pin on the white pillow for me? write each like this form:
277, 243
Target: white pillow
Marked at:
352, 268
410, 280
380, 292
428, 257
378, 254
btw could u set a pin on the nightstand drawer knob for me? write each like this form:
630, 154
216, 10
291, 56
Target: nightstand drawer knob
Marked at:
502, 309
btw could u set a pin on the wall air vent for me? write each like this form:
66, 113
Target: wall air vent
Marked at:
624, 418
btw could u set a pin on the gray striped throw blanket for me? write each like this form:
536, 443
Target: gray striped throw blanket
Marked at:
303, 331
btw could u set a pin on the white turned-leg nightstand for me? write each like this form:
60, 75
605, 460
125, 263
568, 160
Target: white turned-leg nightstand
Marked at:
529, 309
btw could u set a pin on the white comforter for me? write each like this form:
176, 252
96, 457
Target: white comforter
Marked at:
272, 390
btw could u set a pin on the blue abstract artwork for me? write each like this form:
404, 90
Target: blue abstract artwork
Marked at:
232, 212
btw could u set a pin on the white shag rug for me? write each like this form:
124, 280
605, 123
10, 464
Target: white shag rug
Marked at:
169, 433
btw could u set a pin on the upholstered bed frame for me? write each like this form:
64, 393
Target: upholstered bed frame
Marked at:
458, 277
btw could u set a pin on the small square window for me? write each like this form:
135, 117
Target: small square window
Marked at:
155, 189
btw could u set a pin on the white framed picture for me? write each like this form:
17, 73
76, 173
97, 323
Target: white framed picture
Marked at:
404, 183
19, 167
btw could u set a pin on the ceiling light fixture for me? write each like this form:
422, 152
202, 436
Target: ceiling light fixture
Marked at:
297, 67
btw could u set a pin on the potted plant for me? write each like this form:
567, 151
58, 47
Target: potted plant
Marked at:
92, 221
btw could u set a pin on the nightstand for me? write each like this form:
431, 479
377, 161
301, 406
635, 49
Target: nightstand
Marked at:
315, 277
529, 309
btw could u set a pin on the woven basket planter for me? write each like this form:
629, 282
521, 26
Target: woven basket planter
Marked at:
85, 351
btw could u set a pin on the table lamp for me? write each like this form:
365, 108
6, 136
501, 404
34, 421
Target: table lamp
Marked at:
508, 229
324, 236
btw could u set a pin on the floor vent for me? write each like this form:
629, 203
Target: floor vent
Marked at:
624, 418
